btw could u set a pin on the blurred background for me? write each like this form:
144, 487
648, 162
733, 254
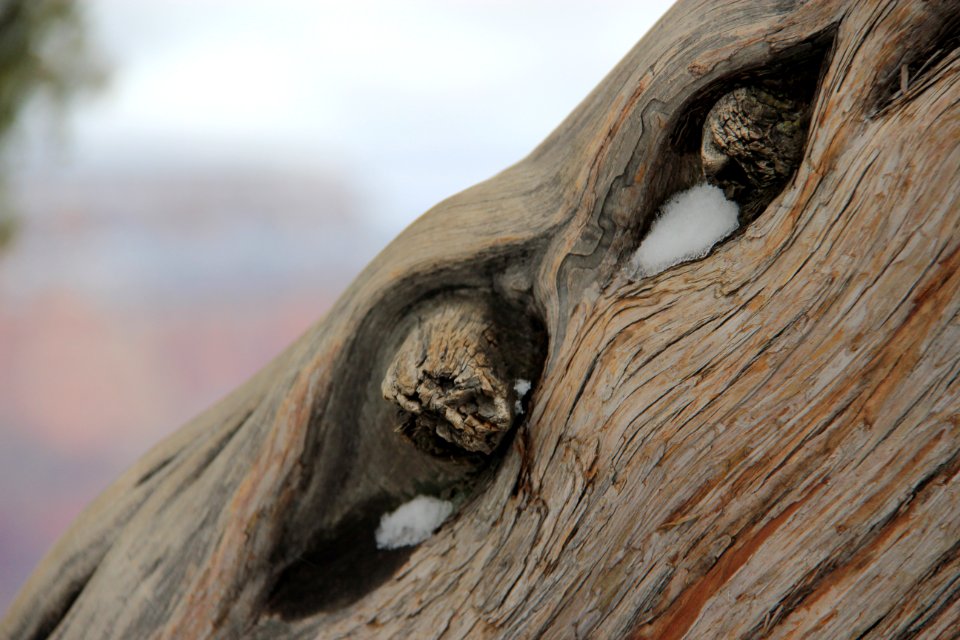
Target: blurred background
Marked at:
187, 185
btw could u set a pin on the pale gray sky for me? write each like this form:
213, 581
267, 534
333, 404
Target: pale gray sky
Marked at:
410, 100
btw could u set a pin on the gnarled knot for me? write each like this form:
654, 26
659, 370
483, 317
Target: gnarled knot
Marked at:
752, 141
454, 377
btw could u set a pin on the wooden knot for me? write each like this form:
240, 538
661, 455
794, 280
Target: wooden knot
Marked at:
752, 142
458, 376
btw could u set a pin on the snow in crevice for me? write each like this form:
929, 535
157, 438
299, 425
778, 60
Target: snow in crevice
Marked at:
412, 522
689, 225
522, 387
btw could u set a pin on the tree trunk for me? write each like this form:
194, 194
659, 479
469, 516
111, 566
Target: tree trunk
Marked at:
761, 443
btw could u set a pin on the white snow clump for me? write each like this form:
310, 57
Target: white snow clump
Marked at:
688, 226
522, 387
412, 522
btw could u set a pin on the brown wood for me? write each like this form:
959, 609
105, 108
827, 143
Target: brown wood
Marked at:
455, 376
764, 443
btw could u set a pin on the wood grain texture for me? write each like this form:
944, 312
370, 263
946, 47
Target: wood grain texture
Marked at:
764, 443
455, 376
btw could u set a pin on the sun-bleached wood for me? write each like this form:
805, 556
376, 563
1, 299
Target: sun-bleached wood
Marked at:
764, 443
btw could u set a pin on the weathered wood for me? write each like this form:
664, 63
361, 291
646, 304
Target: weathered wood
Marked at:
761, 443
457, 376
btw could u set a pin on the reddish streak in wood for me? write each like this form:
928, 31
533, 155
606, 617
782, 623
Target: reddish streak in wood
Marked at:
672, 626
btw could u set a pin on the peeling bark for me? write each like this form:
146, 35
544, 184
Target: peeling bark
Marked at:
764, 443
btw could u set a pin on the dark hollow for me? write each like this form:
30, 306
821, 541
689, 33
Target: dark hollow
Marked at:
339, 568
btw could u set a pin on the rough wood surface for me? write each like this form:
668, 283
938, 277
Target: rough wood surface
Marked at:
456, 376
764, 443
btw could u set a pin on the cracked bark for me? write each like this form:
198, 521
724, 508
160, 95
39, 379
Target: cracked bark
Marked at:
762, 443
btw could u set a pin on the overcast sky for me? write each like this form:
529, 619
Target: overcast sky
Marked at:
411, 101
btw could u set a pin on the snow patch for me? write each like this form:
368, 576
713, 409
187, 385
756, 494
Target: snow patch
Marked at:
412, 522
689, 225
522, 387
